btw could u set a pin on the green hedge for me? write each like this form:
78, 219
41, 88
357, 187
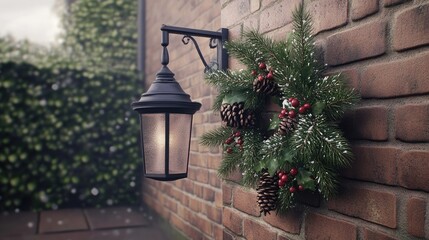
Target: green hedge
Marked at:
68, 136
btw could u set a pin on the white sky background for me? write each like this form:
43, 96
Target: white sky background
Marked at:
34, 20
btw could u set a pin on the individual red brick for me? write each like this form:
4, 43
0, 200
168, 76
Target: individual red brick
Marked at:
278, 15
412, 122
389, 3
374, 163
214, 180
245, 201
213, 213
369, 204
328, 14
413, 169
208, 194
416, 212
410, 28
226, 194
369, 234
214, 161
197, 160
203, 224
369, 123
234, 11
322, 227
253, 230
232, 220
227, 235
202, 175
361, 9
235, 176
195, 204
199, 190
358, 43
289, 222
397, 78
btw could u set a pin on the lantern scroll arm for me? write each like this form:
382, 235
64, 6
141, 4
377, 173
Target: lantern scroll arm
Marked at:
186, 39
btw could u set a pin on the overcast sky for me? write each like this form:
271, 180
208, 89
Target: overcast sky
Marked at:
35, 20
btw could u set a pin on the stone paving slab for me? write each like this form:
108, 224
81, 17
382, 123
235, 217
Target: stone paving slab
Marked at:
143, 233
115, 217
18, 223
62, 220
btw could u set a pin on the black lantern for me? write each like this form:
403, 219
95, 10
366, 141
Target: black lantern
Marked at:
166, 111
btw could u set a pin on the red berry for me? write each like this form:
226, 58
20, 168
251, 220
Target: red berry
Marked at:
228, 141
281, 183
294, 102
307, 106
284, 178
240, 141
229, 150
261, 78
284, 111
292, 114
281, 116
300, 188
293, 171
237, 134
280, 174
254, 72
270, 75
290, 99
292, 189
302, 110
262, 66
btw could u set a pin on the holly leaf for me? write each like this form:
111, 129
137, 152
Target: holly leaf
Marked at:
234, 97
259, 166
304, 178
273, 166
318, 108
287, 157
274, 124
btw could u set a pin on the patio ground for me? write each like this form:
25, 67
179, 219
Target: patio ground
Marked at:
116, 223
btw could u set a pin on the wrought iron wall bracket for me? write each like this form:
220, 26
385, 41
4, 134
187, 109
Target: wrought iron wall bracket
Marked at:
217, 40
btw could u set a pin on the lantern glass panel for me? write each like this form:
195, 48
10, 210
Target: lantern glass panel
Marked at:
153, 130
180, 135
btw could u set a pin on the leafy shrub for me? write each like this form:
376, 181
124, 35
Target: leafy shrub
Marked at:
68, 135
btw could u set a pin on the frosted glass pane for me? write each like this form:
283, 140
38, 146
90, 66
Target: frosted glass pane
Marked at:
153, 126
180, 133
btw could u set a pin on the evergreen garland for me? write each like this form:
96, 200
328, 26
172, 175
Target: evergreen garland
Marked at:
303, 147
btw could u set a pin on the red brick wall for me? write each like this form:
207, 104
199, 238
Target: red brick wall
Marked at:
192, 205
383, 47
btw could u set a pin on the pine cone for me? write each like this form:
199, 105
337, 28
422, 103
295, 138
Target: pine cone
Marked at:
287, 125
267, 192
236, 115
266, 86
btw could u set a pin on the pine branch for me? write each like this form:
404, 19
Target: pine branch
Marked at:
246, 53
284, 201
251, 157
275, 54
326, 179
215, 137
229, 163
